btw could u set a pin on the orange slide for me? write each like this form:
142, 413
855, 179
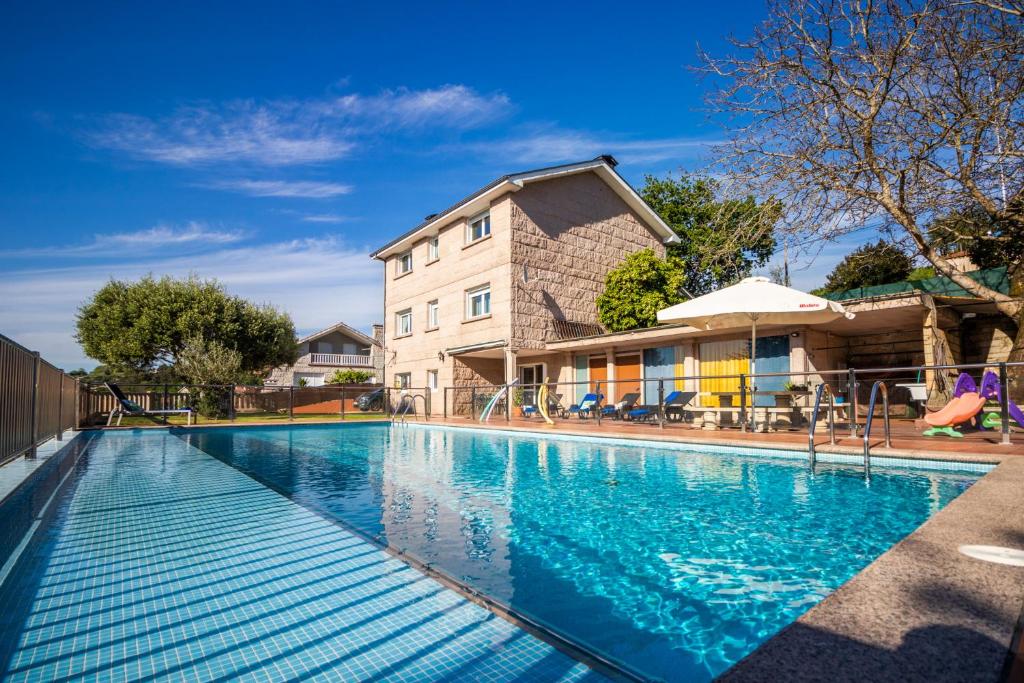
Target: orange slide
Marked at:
960, 409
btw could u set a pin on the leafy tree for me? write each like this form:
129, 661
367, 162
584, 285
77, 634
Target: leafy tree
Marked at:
208, 362
921, 273
636, 290
350, 377
139, 328
721, 239
872, 264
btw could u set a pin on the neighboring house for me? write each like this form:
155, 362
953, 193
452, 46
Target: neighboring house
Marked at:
474, 293
321, 354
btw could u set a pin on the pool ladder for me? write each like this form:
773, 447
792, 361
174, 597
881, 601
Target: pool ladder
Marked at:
867, 425
823, 388
404, 404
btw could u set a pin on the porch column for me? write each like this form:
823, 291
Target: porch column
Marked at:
610, 394
511, 365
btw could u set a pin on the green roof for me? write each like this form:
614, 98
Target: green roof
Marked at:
993, 278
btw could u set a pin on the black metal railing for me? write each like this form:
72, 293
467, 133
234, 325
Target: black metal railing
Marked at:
748, 401
38, 401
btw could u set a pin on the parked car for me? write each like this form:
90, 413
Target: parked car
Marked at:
371, 400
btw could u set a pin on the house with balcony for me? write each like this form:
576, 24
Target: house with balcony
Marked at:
321, 354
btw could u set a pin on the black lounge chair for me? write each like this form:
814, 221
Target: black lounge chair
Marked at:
619, 409
126, 406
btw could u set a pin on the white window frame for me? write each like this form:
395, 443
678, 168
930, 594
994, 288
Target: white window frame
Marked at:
399, 315
485, 230
433, 248
433, 315
432, 383
400, 261
473, 293
403, 380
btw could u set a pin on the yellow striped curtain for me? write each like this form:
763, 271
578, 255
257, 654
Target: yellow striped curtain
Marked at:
723, 358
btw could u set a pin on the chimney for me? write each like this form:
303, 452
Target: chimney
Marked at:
378, 333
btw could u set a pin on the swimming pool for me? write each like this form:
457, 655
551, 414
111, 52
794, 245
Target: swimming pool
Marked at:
676, 563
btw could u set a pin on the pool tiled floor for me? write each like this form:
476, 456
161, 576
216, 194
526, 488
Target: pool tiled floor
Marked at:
162, 563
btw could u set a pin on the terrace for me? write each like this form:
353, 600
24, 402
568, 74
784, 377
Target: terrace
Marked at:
221, 550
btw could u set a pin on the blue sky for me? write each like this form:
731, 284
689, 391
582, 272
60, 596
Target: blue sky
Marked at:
273, 147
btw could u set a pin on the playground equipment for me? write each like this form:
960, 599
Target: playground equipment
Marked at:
967, 402
991, 390
486, 414
542, 402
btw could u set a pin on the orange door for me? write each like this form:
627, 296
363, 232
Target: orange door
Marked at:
598, 373
627, 373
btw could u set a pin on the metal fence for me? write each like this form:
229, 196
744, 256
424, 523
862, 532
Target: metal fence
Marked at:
37, 401
235, 402
782, 400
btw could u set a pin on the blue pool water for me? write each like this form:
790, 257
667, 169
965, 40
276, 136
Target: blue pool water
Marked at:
675, 563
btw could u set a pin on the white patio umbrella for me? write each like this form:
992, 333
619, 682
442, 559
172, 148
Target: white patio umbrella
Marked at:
751, 301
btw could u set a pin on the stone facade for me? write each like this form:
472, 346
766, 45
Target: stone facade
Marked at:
551, 246
567, 234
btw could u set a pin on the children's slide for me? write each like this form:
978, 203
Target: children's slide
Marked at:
542, 402
967, 402
991, 390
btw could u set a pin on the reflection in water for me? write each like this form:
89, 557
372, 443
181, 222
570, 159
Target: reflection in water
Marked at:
677, 563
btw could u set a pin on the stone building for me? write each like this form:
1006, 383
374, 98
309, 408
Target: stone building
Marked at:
338, 347
502, 286
474, 293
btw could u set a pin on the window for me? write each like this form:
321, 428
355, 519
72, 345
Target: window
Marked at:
404, 263
479, 228
434, 248
403, 380
432, 380
478, 302
432, 315
403, 323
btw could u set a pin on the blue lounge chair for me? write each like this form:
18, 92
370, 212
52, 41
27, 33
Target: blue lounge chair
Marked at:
585, 406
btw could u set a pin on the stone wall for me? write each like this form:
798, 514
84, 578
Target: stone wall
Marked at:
987, 338
470, 372
567, 233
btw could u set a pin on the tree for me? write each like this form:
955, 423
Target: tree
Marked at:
722, 239
350, 377
142, 327
208, 362
896, 113
636, 290
868, 265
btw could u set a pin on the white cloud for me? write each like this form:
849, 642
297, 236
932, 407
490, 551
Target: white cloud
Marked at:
549, 146
287, 132
308, 189
192, 235
317, 281
325, 218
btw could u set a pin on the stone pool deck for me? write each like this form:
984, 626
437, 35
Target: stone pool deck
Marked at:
161, 562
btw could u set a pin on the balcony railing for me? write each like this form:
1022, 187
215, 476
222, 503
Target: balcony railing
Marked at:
341, 359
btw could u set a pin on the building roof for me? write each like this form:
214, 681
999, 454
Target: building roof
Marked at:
344, 329
993, 278
603, 166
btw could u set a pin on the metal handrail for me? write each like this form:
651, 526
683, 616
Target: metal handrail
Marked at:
823, 388
870, 418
